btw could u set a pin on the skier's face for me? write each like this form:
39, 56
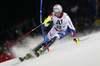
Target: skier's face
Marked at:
57, 14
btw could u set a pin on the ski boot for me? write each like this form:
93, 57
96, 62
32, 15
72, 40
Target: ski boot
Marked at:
38, 53
28, 56
21, 59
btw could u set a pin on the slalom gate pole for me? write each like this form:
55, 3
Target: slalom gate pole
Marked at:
41, 24
22, 37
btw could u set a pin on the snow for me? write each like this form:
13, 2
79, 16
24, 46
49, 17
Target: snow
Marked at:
66, 53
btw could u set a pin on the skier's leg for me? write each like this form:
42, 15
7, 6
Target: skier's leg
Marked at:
42, 44
39, 46
42, 47
51, 42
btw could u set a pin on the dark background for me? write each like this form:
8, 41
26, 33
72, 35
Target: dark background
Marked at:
19, 17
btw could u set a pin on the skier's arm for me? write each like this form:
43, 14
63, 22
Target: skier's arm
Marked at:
71, 26
46, 21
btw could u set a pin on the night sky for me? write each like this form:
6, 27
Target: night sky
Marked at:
13, 12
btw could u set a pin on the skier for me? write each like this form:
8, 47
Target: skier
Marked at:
61, 22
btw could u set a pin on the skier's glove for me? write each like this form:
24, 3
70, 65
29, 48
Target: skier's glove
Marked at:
46, 20
76, 40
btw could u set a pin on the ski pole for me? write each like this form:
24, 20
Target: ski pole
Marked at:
85, 39
22, 37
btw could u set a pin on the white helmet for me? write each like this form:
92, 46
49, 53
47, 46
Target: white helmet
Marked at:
57, 8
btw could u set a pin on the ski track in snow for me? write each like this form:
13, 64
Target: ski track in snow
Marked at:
65, 53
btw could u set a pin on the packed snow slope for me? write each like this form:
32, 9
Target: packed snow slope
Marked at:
66, 53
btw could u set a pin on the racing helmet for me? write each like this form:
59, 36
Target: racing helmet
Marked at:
57, 8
